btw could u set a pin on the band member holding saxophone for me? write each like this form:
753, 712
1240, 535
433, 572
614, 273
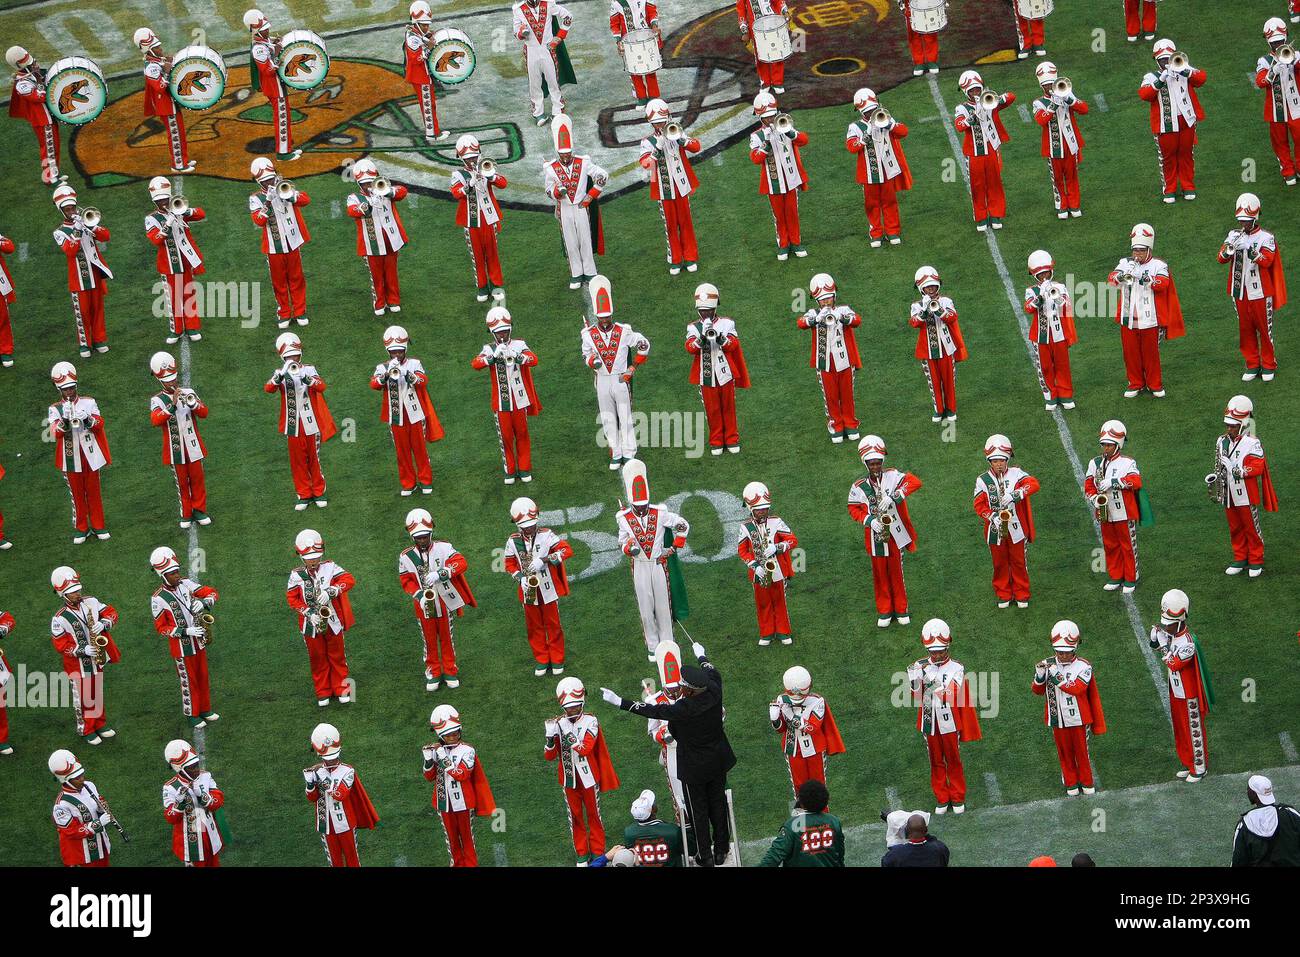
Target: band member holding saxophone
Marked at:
764, 546
276, 209
771, 76
80, 237
650, 536
1257, 286
1072, 706
541, 26
834, 355
1057, 112
479, 213
176, 410
80, 632
342, 805
626, 16
945, 714
534, 558
305, 419
1175, 111
809, 735
416, 46
178, 260
510, 363
27, 102
575, 742
939, 343
613, 351
81, 814
574, 182
1112, 485
1140, 18
1278, 75
877, 139
876, 502
407, 410
80, 452
1052, 308
1002, 503
191, 804
182, 613
1190, 693
1241, 483
1148, 312
672, 181
717, 367
774, 149
158, 100
979, 120
432, 572
7, 625
380, 233
7, 297
318, 592
460, 786
264, 76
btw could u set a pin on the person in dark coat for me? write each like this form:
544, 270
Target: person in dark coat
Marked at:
1268, 835
919, 850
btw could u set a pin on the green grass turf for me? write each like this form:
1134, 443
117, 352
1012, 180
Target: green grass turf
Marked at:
261, 683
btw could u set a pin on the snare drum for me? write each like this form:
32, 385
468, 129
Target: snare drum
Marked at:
451, 56
928, 16
198, 78
75, 91
303, 60
641, 54
1034, 9
772, 42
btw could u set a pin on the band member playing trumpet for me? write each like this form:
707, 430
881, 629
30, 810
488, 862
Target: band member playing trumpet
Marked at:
1052, 309
81, 815
877, 139
7, 297
1113, 486
979, 120
176, 410
1071, 707
834, 355
1148, 312
876, 502
764, 546
158, 100
380, 233
7, 625
460, 787
432, 572
479, 214
318, 592
1241, 483
541, 26
81, 632
80, 452
27, 102
534, 558
1257, 286
264, 76
1190, 693
923, 44
613, 351
509, 363
717, 367
1002, 503
407, 410
305, 419
809, 735
178, 260
575, 742
80, 237
771, 76
1278, 75
672, 181
1175, 111
945, 714
1056, 111
650, 536
574, 182
626, 16
276, 209
415, 52
774, 148
191, 801
939, 343
342, 805
182, 613
1140, 18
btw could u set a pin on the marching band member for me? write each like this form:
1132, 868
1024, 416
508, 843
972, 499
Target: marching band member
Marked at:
764, 546
1030, 31
877, 139
407, 410
923, 44
1072, 706
181, 609
672, 181
876, 502
178, 260
534, 558
461, 792
1002, 503
1148, 312
542, 25
158, 99
775, 150
27, 102
284, 233
416, 47
6, 679
1281, 82
80, 452
342, 805
432, 572
834, 355
88, 273
1190, 693
717, 367
576, 743
479, 214
80, 632
626, 16
650, 535
1241, 483
380, 233
1052, 309
81, 814
983, 136
264, 77
7, 297
939, 343
191, 800
1113, 486
1055, 111
668, 662
945, 714
574, 183
318, 592
771, 76
176, 410
655, 842
514, 398
1175, 110
613, 351
809, 735
305, 419
1140, 17
1257, 286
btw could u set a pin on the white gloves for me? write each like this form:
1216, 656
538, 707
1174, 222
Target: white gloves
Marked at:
773, 712
197, 605
610, 697
309, 775
196, 632
428, 751
876, 526
534, 566
698, 649
333, 591
552, 728
769, 551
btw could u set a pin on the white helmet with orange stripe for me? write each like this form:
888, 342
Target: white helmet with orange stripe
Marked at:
572, 695
1247, 208
163, 366
396, 339
1065, 638
1240, 412
936, 637
65, 581
523, 512
64, 375
445, 722
925, 277
656, 111
871, 449
998, 446
756, 496
326, 741
1274, 30
602, 297
63, 764
1113, 432
179, 754
309, 544
971, 83
164, 560
797, 682
822, 286
864, 100
1041, 261
419, 523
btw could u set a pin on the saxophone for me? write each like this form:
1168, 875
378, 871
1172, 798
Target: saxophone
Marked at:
882, 512
531, 582
97, 638
766, 567
1216, 482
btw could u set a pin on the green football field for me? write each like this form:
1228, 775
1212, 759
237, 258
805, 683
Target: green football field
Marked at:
261, 683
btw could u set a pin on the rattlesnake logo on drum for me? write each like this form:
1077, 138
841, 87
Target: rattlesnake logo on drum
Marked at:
73, 96
194, 83
300, 63
451, 60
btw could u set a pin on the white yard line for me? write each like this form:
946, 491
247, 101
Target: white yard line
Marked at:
499, 855
992, 787
1288, 747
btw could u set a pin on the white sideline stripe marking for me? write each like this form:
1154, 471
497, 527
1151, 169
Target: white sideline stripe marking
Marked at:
1025, 116
991, 785
1288, 747
23, 249
892, 799
400, 861
499, 855
1067, 441
1100, 100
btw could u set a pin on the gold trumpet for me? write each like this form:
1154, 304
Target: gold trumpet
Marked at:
285, 189
382, 187
783, 123
178, 206
989, 100
1178, 61
881, 118
90, 217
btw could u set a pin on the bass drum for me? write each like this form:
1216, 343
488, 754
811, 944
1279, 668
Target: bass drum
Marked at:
929, 16
1034, 9
304, 64
451, 56
198, 78
641, 54
75, 90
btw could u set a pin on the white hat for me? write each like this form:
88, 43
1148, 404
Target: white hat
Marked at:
17, 57
467, 145
163, 366
1174, 605
707, 296
287, 344
1065, 636
498, 319
562, 133
936, 635
445, 720
602, 296
64, 765
668, 662
926, 276
624, 857
764, 104
1262, 787
364, 171
1239, 411
164, 560
523, 512
1163, 47
1274, 29
871, 447
1143, 234
395, 337
970, 80
144, 38
1248, 206
1113, 431
160, 187
570, 691
1045, 72
1039, 260
255, 20
261, 167
636, 482
822, 286
865, 99
309, 543
756, 495
643, 806
797, 682
64, 375
419, 522
420, 12
998, 446
63, 195
64, 580
326, 740
657, 110
179, 754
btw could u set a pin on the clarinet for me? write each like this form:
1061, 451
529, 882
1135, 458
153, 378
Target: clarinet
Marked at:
112, 818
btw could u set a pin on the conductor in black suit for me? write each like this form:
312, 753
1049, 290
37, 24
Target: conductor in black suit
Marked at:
704, 755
